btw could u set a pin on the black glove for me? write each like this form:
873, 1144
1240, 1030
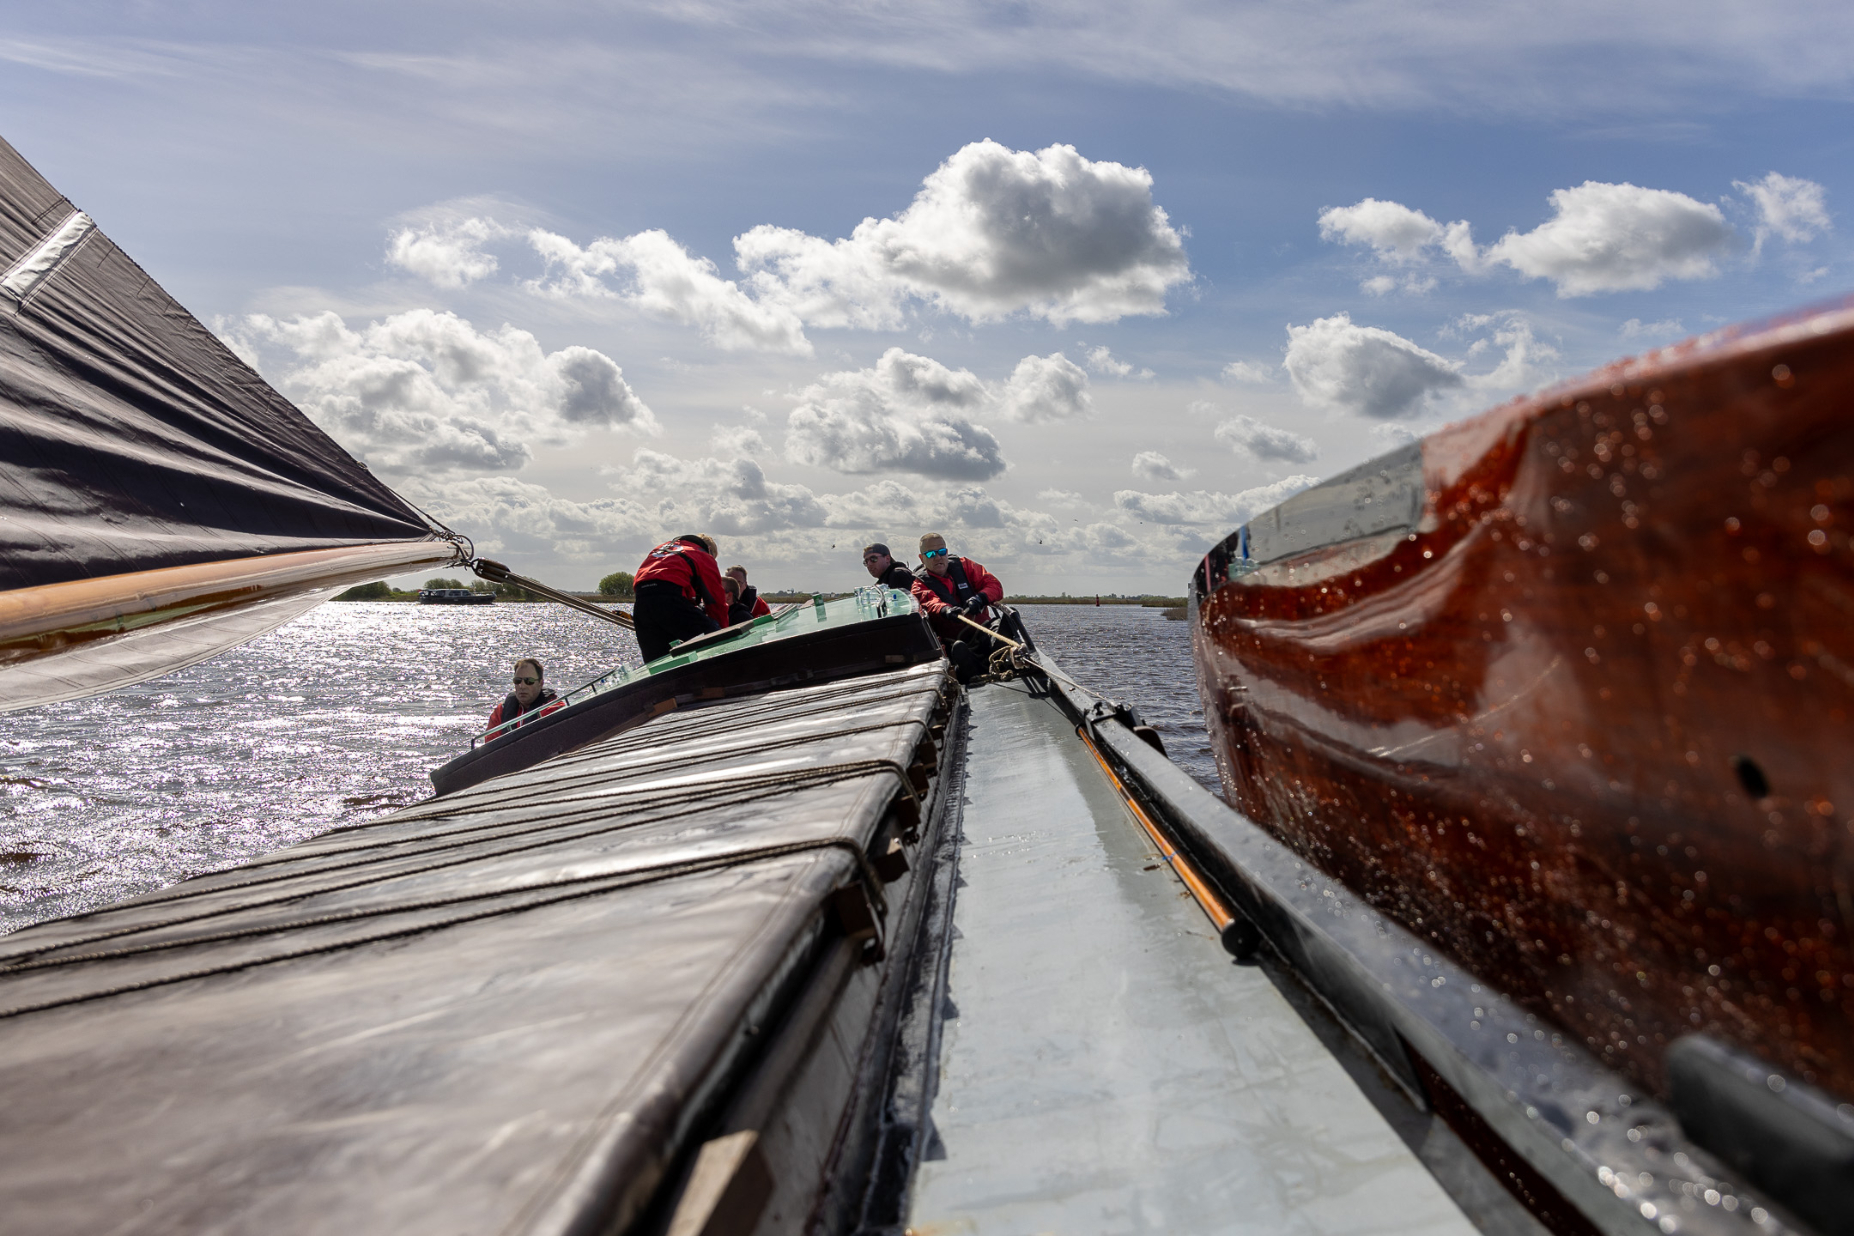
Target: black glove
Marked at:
976, 606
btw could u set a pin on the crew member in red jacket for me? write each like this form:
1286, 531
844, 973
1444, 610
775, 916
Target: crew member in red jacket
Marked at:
531, 699
679, 594
947, 588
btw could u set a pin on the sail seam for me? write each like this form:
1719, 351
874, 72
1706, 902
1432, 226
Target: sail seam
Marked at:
44, 260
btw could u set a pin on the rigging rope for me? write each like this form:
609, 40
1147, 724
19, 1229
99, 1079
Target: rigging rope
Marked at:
496, 573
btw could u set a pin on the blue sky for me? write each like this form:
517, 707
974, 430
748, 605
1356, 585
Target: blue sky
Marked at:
580, 277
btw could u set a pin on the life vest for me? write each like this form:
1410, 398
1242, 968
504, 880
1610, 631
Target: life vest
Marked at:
961, 591
675, 563
510, 708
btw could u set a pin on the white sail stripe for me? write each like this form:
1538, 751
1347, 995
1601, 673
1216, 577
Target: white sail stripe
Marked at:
23, 278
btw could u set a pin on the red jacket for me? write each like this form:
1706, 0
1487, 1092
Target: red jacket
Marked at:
544, 703
941, 595
685, 565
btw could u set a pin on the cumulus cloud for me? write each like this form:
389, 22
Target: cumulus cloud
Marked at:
1046, 388
1395, 232
1525, 361
992, 232
1251, 372
1103, 361
1204, 507
1152, 466
907, 414
1265, 442
504, 513
426, 392
727, 497
1364, 369
738, 440
449, 253
1617, 238
1787, 206
664, 280
1601, 237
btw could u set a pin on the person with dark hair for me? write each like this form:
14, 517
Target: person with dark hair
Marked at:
748, 605
885, 569
679, 594
950, 588
531, 699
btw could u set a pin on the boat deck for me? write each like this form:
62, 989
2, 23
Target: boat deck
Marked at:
1106, 1067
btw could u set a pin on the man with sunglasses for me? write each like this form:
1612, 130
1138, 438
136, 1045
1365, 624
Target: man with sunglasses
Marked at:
885, 569
530, 699
949, 588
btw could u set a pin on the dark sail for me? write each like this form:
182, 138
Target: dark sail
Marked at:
148, 476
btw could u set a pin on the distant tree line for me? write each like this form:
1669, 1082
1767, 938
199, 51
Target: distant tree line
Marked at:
619, 585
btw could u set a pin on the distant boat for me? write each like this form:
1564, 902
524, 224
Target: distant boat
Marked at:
453, 596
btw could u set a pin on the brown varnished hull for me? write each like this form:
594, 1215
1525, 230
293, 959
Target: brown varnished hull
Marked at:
1532, 724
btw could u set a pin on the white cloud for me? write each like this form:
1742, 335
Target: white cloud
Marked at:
1266, 442
738, 440
1635, 328
665, 281
1046, 388
1395, 232
1060, 497
1217, 509
503, 513
426, 392
907, 414
1787, 206
1248, 371
1526, 362
1617, 237
448, 253
1103, 361
1392, 434
992, 232
1152, 466
1364, 369
1600, 238
725, 497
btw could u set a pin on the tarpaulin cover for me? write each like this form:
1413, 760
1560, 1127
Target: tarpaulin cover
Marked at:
130, 437
500, 1011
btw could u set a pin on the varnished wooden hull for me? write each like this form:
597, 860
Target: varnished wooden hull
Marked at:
1566, 689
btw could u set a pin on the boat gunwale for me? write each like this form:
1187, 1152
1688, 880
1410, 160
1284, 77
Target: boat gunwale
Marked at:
1351, 957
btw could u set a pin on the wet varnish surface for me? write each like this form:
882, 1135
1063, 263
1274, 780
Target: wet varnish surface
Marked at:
1106, 1068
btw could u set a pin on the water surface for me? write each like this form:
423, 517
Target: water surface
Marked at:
338, 716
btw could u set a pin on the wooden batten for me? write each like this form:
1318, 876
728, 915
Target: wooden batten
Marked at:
47, 619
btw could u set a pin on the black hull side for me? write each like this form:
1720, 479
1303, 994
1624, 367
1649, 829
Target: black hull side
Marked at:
803, 660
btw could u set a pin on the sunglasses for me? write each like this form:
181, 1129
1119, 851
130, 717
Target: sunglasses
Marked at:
526, 682
935, 553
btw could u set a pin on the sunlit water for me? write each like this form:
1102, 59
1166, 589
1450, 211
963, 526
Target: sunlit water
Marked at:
338, 717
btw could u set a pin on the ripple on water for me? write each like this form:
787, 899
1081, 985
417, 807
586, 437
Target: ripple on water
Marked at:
337, 718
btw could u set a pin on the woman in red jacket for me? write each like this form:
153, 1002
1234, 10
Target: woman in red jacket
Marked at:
679, 594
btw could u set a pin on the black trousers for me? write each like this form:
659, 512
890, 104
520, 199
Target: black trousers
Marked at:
971, 656
664, 614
